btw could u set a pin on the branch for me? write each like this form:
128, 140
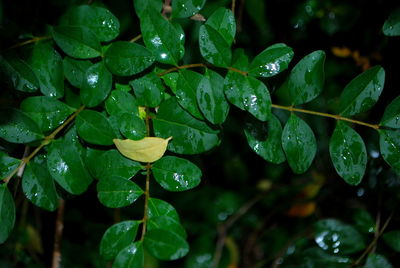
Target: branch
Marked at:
58, 235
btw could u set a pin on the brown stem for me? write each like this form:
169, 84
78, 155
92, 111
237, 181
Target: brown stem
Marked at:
33, 40
56, 261
135, 38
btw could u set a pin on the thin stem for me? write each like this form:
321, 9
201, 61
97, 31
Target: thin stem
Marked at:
33, 40
58, 235
194, 65
337, 117
233, 6
135, 38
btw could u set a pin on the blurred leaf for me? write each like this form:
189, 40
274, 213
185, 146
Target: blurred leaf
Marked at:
362, 92
273, 60
377, 261
125, 58
77, 42
348, 153
391, 27
316, 258
148, 89
141, 6
7, 164
94, 128
186, 8
166, 223
132, 126
121, 102
306, 79
116, 192
158, 207
389, 141
392, 239
105, 164
186, 89
38, 186
299, 144
223, 21
266, 139
132, 256
18, 74
75, 71
47, 112
17, 127
47, 65
213, 46
190, 136
336, 237
211, 98
391, 116
240, 60
165, 245
176, 174
7, 212
117, 237
96, 85
248, 93
364, 221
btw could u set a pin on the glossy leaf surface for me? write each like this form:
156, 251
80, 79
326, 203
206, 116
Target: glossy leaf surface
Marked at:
148, 89
306, 79
125, 58
186, 8
7, 164
94, 128
362, 92
176, 174
120, 102
116, 192
389, 141
186, 91
167, 223
271, 61
299, 144
132, 256
348, 153
47, 112
391, 27
248, 93
96, 85
213, 47
391, 116
132, 126
117, 237
7, 212
165, 245
75, 70
211, 98
17, 127
141, 6
158, 207
223, 21
190, 136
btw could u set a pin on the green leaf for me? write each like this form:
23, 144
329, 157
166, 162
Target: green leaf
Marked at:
17, 127
132, 126
391, 27
211, 98
306, 79
47, 112
159, 208
148, 89
176, 174
38, 186
315, 258
364, 221
47, 64
248, 93
271, 61
7, 164
223, 21
161, 37
171, 80
165, 245
7, 212
166, 223
117, 237
348, 153
94, 128
100, 20
391, 116
240, 60
299, 144
392, 239
66, 165
141, 6
120, 102
116, 192
190, 136
75, 71
132, 256
105, 164
213, 47
18, 74
389, 141
266, 139
76, 41
377, 261
362, 92
96, 85
336, 237
125, 58
186, 8
186, 91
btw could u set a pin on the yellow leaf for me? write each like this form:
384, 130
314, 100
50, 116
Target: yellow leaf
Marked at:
149, 149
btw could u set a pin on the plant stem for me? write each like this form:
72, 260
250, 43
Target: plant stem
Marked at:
133, 40
33, 40
58, 235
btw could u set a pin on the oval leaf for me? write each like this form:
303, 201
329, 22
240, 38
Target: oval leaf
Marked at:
132, 126
391, 27
165, 245
120, 102
392, 239
186, 91
148, 89
148, 149
377, 261
7, 164
132, 256
159, 207
96, 85
186, 8
75, 70
166, 223
223, 21
389, 141
213, 47
391, 116
94, 128
7, 212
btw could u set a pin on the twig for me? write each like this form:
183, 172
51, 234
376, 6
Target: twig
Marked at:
58, 235
133, 40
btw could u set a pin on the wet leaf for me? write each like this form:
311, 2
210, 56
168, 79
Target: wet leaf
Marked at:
96, 85
165, 245
116, 192
132, 126
223, 21
392, 239
271, 61
75, 70
299, 144
158, 207
213, 47
186, 8
176, 174
348, 153
125, 58
389, 141
148, 89
141, 6
191, 136
148, 149
132, 256
391, 27
377, 261
315, 257
391, 116
166, 223
362, 92
364, 221
117, 237
17, 127
120, 102
186, 91
7, 164
7, 212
